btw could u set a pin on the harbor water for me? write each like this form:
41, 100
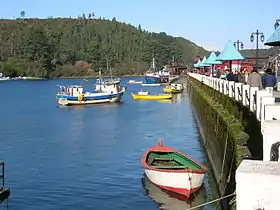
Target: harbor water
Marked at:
88, 158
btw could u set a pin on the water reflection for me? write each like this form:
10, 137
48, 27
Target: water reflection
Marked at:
169, 201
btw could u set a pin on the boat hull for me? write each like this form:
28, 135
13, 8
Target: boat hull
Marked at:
151, 97
172, 170
183, 183
74, 101
152, 79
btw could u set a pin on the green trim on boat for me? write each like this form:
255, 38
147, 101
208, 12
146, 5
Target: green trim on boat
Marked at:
173, 160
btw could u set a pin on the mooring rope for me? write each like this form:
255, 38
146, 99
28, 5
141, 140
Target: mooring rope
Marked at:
212, 201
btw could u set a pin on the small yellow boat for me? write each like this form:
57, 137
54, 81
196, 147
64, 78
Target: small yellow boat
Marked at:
171, 90
146, 96
174, 88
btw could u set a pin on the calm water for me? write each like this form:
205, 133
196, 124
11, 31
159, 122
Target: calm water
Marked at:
89, 157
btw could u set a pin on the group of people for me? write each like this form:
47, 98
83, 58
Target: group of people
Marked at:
254, 79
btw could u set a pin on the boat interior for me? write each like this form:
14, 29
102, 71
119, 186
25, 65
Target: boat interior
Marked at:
171, 160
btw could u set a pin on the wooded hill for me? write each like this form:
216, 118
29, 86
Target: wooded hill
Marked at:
67, 47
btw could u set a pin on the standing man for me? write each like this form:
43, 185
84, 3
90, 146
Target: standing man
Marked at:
269, 80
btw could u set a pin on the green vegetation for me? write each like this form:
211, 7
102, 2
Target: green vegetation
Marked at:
67, 47
262, 52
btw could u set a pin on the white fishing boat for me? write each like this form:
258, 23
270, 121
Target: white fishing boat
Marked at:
134, 82
173, 170
3, 78
107, 92
152, 85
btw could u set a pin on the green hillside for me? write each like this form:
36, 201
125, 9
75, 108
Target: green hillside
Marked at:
67, 47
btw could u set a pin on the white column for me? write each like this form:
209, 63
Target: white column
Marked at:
225, 87
222, 84
270, 131
264, 101
253, 93
272, 111
238, 86
231, 89
260, 94
245, 93
257, 185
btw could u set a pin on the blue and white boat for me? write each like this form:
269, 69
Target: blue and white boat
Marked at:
106, 91
153, 76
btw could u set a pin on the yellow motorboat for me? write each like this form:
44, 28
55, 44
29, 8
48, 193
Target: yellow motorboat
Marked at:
147, 96
174, 88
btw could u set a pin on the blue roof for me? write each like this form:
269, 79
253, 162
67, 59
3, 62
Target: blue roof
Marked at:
212, 59
230, 53
202, 64
274, 39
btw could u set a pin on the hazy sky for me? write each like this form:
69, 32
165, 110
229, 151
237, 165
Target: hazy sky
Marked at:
207, 23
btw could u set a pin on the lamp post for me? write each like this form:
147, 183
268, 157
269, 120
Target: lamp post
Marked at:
276, 25
258, 35
238, 44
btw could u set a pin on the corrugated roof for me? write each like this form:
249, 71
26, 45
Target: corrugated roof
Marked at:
274, 39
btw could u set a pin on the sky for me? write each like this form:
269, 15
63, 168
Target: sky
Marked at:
209, 24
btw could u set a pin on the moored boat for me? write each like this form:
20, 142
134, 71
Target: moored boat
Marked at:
147, 96
134, 82
106, 92
152, 85
174, 88
172, 170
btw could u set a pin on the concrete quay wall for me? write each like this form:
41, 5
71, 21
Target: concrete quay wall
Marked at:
240, 125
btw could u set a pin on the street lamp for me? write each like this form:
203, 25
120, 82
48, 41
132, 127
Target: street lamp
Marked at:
276, 25
258, 35
239, 45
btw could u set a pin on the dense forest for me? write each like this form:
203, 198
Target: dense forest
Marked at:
73, 47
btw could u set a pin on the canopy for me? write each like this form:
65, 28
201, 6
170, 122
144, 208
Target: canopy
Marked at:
202, 64
197, 64
212, 59
274, 39
230, 53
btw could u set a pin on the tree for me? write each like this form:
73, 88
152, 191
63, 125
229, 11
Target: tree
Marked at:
22, 14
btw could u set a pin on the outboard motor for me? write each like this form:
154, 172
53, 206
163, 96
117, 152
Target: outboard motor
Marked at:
274, 151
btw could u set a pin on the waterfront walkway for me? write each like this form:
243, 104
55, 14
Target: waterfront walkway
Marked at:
257, 182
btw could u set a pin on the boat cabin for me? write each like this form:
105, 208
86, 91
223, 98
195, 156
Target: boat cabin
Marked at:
111, 86
72, 90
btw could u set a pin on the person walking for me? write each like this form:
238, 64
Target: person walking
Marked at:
240, 76
269, 80
230, 76
255, 79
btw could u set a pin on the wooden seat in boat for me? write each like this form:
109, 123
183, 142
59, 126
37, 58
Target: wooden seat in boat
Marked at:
169, 167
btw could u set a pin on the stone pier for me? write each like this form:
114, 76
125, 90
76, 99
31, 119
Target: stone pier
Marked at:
257, 181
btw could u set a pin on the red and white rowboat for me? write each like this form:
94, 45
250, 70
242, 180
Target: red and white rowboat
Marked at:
173, 170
